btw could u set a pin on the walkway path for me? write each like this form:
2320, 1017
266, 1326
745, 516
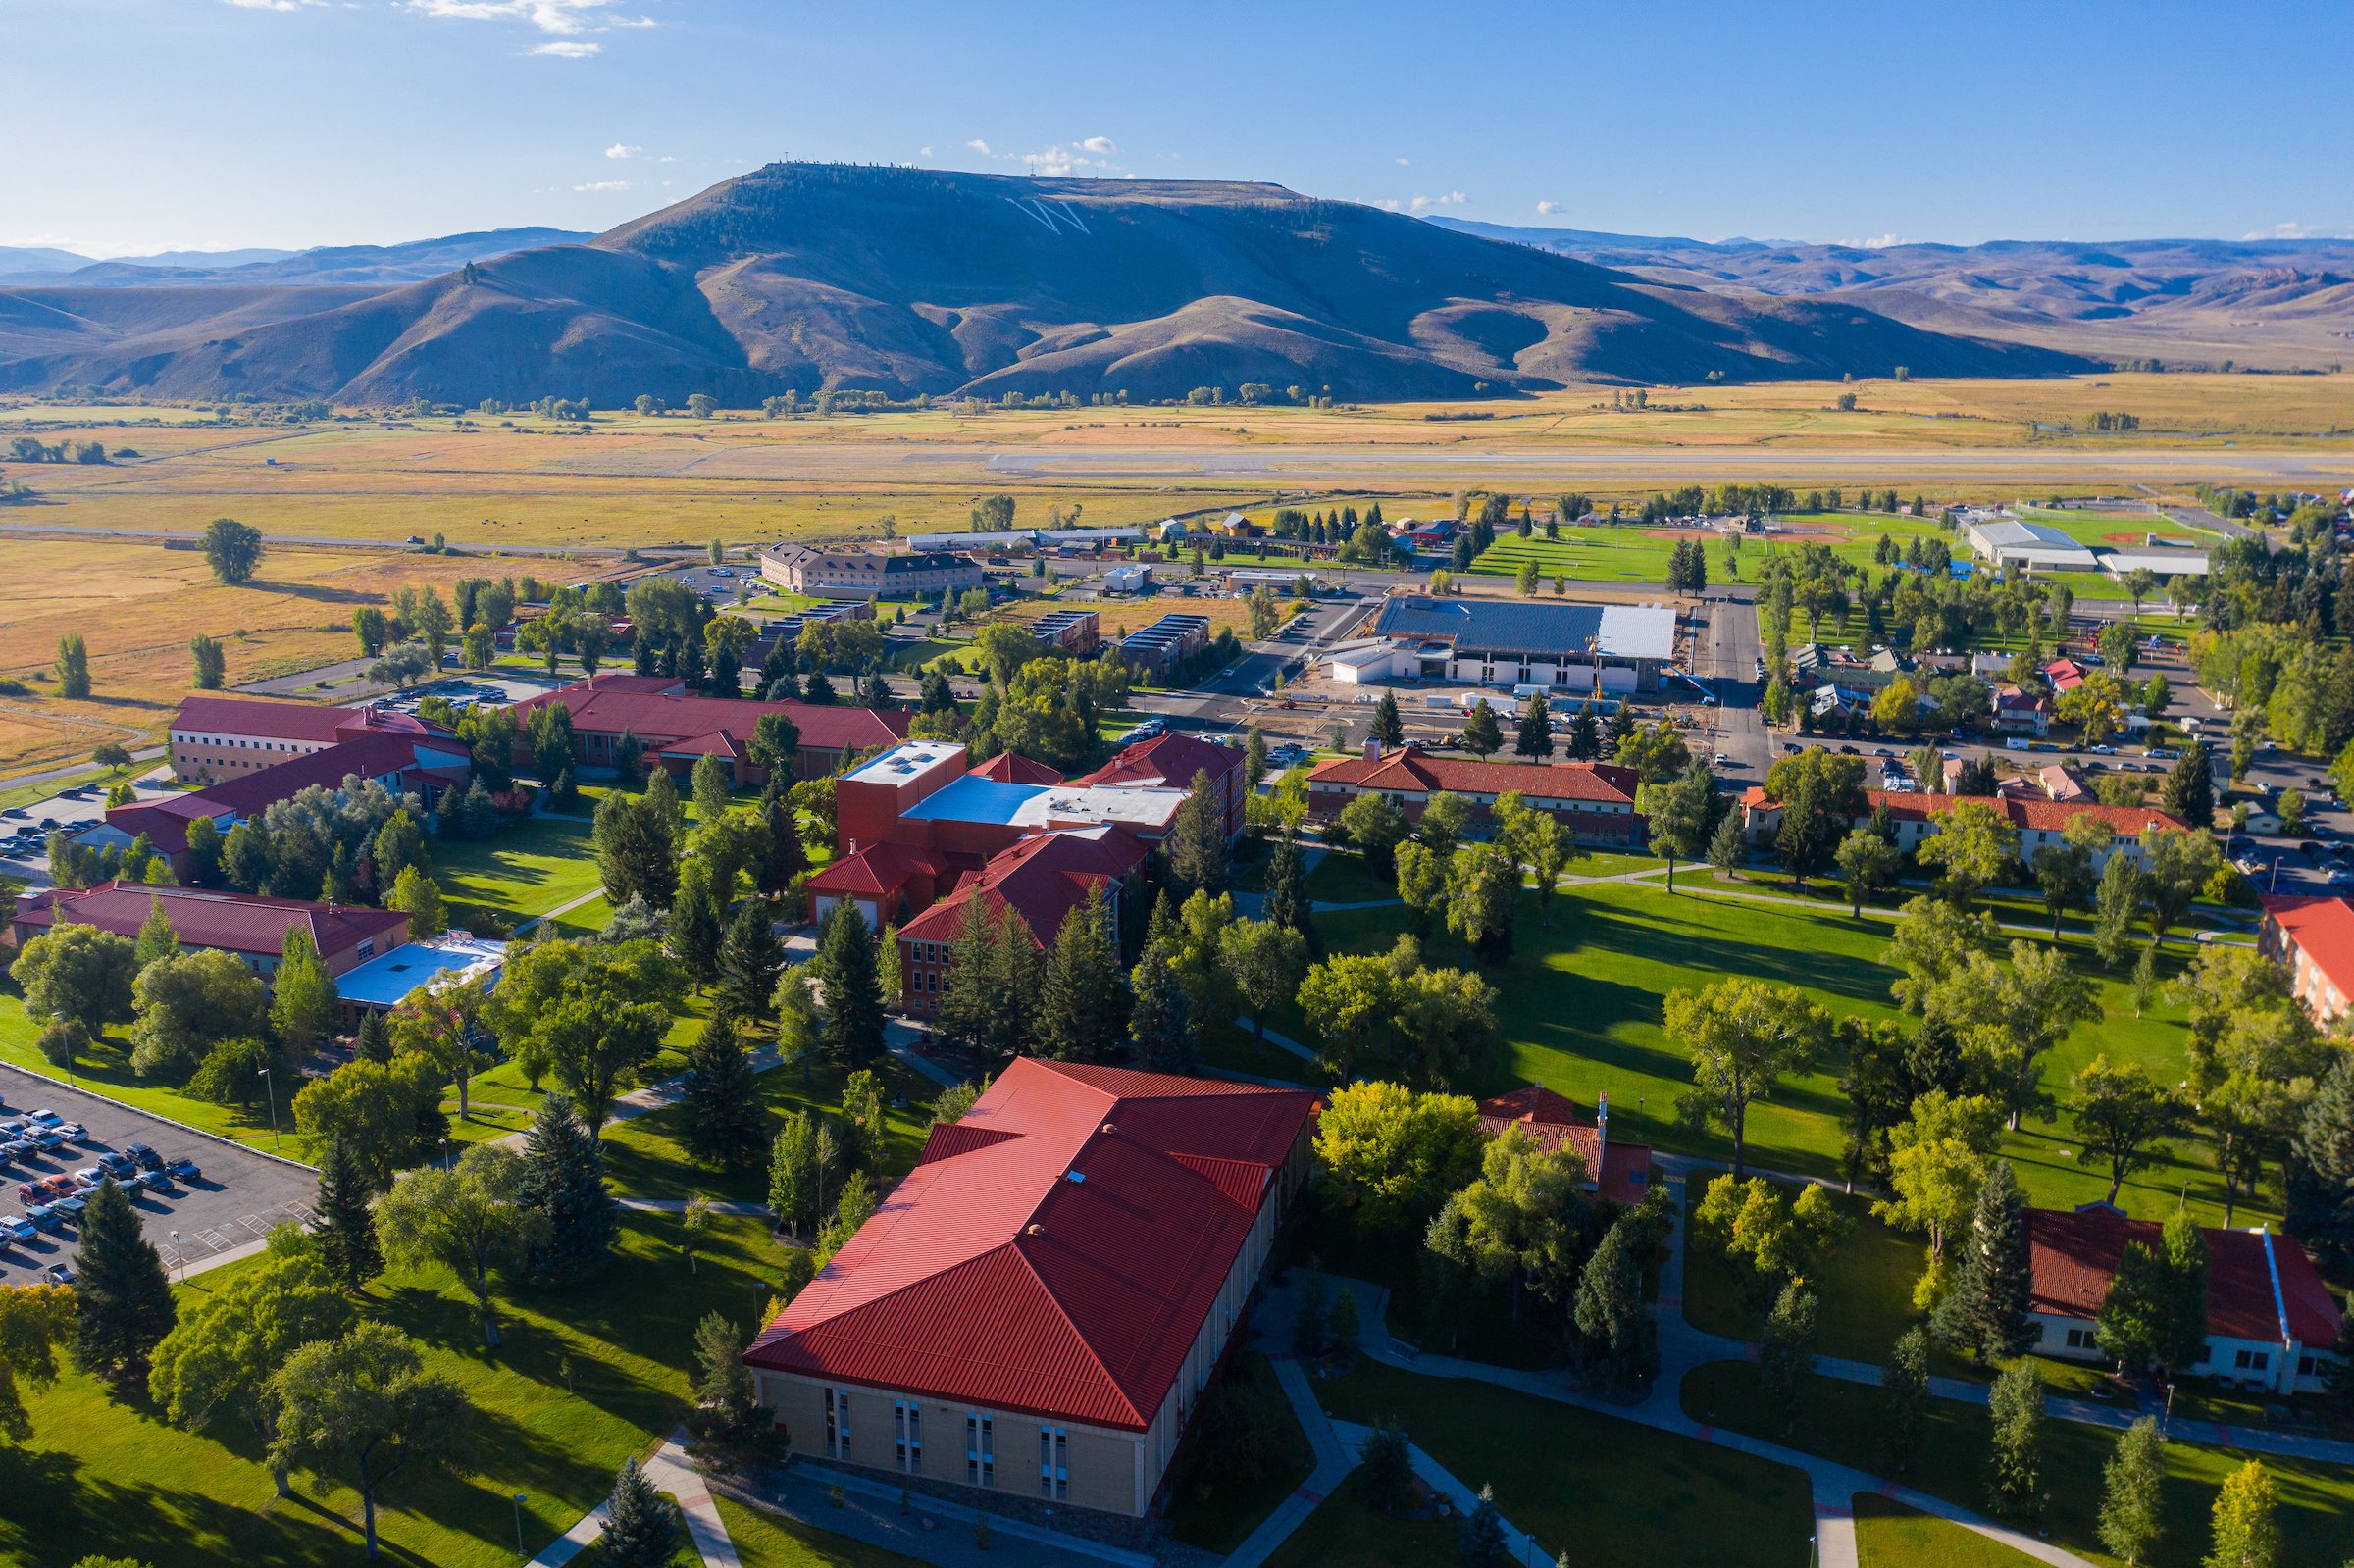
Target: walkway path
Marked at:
1271, 1331
670, 1471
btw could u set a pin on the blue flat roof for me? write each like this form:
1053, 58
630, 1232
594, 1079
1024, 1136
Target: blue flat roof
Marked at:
384, 981
973, 798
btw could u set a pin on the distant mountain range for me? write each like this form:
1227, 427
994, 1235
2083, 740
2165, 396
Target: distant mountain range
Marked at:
2278, 303
410, 263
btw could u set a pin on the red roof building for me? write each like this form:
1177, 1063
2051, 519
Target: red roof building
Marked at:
2270, 1320
2313, 939
2037, 821
1037, 1305
678, 729
212, 738
1042, 880
248, 924
1595, 800
1619, 1172
1172, 762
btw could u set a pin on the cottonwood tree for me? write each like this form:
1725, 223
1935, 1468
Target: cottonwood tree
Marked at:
1936, 1162
2181, 865
1266, 962
1375, 825
79, 973
441, 1025
419, 897
1975, 845
1388, 1156
232, 549
362, 1409
1769, 1236
470, 1220
2122, 1113
1523, 1221
1743, 1035
1421, 883
1868, 863
34, 1320
1482, 882
1682, 815
387, 1114
2132, 1517
587, 1013
1537, 842
2064, 871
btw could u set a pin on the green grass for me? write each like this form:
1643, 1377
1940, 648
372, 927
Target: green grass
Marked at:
112, 1477
1346, 1531
1889, 1534
1218, 1520
527, 870
1606, 1490
1864, 1291
1342, 877
105, 1070
643, 1157
765, 1539
1839, 1420
1579, 1006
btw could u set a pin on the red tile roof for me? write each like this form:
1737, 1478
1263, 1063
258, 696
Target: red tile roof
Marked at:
1411, 770
237, 922
877, 870
608, 704
1170, 759
1011, 767
2023, 812
271, 721
2073, 1254
370, 754
1041, 878
2064, 674
2322, 928
1063, 1267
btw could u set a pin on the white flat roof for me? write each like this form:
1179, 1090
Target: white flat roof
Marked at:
905, 761
2166, 563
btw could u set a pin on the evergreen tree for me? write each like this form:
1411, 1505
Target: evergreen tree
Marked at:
1157, 1021
156, 940
1016, 969
1482, 1539
1585, 736
1728, 849
695, 927
2321, 1169
1984, 1310
1388, 726
1904, 1401
1079, 989
642, 1526
2189, 788
853, 1026
121, 1296
1197, 843
961, 1018
1483, 736
374, 1042
2246, 1532
749, 962
1786, 1358
1534, 739
1621, 725
344, 1222
2014, 1478
724, 1118
1286, 901
564, 1178
2132, 1506
1615, 1347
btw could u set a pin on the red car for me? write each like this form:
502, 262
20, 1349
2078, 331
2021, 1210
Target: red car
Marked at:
45, 1190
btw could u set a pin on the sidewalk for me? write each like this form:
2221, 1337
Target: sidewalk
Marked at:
670, 1471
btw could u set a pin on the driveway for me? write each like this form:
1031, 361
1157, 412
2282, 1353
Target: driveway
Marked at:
240, 1198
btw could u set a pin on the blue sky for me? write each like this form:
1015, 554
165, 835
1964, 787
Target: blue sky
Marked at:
137, 124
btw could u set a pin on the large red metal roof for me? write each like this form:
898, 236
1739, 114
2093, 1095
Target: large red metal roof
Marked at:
1058, 1250
2073, 1256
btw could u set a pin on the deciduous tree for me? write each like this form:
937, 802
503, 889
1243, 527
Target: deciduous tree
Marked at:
362, 1410
470, 1220
1743, 1034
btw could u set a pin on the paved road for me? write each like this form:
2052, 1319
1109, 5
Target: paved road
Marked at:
56, 531
241, 1198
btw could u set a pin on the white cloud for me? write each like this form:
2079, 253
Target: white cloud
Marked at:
1453, 198
569, 49
273, 5
622, 149
979, 146
923, 152
2294, 230
1405, 163
1549, 207
604, 184
1098, 144
562, 18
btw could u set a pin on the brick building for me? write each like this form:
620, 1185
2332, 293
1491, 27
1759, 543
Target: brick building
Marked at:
1037, 1308
869, 573
676, 729
1594, 801
2313, 940
248, 924
2038, 822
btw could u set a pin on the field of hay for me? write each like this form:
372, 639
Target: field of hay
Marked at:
137, 604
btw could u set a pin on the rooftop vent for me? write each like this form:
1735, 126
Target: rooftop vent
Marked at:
1034, 1229
1110, 1130
1074, 1176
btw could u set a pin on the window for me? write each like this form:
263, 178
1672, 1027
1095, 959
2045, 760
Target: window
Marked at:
1053, 1458
838, 1423
2081, 1340
2304, 1366
367, 947
907, 1420
2252, 1360
980, 1450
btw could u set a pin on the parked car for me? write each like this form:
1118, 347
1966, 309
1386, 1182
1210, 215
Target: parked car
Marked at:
45, 1217
87, 1178
153, 1181
58, 1273
71, 1207
44, 1188
119, 1166
144, 1157
15, 1228
183, 1169
17, 1150
2309, 850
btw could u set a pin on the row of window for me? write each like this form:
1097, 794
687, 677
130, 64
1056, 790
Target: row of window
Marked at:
979, 1444
2241, 1360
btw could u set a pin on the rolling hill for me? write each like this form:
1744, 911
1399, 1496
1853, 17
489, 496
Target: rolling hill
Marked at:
804, 277
2277, 303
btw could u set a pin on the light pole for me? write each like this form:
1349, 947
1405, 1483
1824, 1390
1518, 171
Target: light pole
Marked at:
518, 1547
270, 1084
180, 1258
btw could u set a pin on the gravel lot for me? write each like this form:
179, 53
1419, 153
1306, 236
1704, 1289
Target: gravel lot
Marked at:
238, 1199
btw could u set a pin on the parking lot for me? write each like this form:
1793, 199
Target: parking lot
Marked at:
240, 1197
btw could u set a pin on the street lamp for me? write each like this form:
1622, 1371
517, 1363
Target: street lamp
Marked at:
180, 1256
270, 1085
519, 1547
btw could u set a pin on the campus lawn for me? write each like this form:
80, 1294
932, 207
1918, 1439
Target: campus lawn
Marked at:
1889, 1534
114, 1478
527, 869
1343, 878
1346, 1531
1608, 1490
1579, 1006
105, 1070
1840, 1421
765, 1539
1214, 1520
1864, 1291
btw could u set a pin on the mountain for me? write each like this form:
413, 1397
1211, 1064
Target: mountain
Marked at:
409, 263
39, 259
2279, 303
809, 276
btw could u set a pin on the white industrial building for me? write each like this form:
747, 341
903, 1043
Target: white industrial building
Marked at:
2029, 546
1502, 642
